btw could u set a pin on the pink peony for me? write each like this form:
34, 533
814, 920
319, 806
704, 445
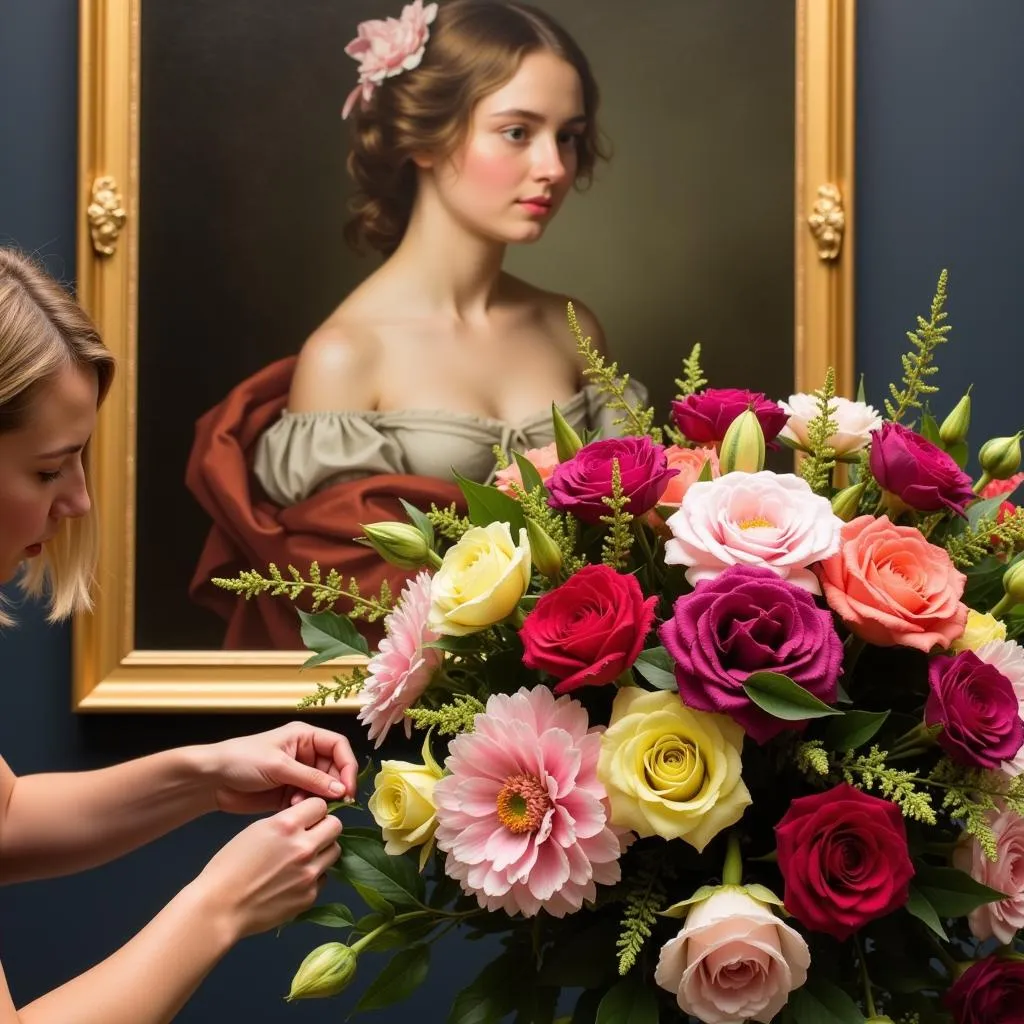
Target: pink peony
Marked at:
688, 464
522, 816
1008, 657
401, 669
543, 460
1002, 918
773, 520
387, 47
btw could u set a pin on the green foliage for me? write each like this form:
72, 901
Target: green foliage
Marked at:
447, 522
817, 468
693, 376
974, 543
343, 688
618, 541
868, 771
561, 527
812, 759
645, 894
449, 719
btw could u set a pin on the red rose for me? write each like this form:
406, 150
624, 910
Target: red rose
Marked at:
989, 992
589, 630
843, 856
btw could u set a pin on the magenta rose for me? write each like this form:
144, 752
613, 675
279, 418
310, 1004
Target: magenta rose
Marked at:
705, 417
843, 855
745, 620
988, 992
589, 630
977, 708
580, 484
919, 473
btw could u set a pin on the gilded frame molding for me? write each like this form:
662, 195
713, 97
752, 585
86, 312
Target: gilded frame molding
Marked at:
110, 674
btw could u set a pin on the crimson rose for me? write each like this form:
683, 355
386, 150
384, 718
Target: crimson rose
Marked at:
580, 484
704, 417
589, 630
989, 992
977, 708
843, 855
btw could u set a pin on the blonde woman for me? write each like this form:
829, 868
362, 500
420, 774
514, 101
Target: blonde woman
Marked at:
54, 373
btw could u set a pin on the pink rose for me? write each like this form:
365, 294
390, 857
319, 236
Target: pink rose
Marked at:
1008, 657
733, 960
855, 420
891, 587
688, 464
773, 520
543, 460
1002, 919
705, 417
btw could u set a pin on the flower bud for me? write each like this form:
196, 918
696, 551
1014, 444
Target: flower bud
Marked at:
955, 426
546, 554
1000, 457
742, 447
1013, 582
846, 503
879, 1020
400, 544
326, 971
567, 441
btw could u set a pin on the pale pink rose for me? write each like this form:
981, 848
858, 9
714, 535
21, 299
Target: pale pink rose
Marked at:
1002, 919
892, 587
388, 46
543, 460
688, 464
855, 419
401, 669
773, 520
1008, 657
734, 960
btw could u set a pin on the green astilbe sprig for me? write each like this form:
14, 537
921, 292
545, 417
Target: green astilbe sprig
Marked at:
447, 521
618, 541
449, 719
917, 363
812, 758
645, 895
693, 378
325, 593
634, 419
974, 543
342, 689
561, 527
817, 468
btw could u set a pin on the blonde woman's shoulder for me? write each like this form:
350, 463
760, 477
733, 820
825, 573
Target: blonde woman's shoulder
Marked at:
553, 310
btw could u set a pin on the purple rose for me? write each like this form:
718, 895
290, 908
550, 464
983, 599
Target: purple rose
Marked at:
705, 416
977, 709
919, 473
579, 484
990, 991
746, 620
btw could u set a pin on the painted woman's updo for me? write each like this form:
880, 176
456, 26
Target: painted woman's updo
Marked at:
475, 47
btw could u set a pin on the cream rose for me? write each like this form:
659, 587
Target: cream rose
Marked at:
855, 420
670, 771
480, 581
734, 960
981, 628
402, 804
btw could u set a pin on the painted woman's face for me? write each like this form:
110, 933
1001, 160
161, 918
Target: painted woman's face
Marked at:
520, 155
42, 480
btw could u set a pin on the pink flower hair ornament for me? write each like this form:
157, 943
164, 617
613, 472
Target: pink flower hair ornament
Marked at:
386, 47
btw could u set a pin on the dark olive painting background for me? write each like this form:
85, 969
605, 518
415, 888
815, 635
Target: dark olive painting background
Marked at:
686, 235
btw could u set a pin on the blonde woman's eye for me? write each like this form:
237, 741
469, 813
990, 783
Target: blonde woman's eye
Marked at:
517, 133
49, 477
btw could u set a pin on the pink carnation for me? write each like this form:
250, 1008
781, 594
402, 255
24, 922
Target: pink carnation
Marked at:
773, 520
401, 669
522, 816
543, 460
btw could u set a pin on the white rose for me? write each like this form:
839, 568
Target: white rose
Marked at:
856, 421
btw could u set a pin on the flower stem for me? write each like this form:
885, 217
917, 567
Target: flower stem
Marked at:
983, 481
433, 559
1003, 605
869, 999
732, 872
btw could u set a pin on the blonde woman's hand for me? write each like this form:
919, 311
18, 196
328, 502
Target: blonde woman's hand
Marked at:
272, 870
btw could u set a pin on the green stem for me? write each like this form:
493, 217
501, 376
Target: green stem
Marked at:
732, 872
434, 559
1003, 605
983, 481
869, 999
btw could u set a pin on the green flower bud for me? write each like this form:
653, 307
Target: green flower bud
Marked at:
1000, 457
879, 1020
846, 503
400, 544
742, 447
567, 441
1013, 583
326, 971
955, 426
546, 554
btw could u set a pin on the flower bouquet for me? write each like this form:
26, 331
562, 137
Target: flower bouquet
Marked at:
701, 741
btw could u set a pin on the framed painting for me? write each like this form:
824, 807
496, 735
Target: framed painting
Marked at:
212, 199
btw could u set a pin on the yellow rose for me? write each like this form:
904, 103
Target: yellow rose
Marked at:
480, 580
981, 627
403, 806
670, 771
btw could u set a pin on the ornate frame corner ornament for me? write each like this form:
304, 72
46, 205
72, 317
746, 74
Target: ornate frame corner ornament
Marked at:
827, 221
106, 215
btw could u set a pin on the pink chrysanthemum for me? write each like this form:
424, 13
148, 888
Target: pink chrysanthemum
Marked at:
401, 669
522, 816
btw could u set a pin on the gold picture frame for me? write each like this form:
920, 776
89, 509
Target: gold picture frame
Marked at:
110, 672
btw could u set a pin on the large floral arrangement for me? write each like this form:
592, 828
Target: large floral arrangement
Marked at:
702, 740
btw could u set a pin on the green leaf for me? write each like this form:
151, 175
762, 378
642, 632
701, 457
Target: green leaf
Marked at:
959, 453
331, 633
628, 1002
853, 730
930, 429
528, 471
403, 975
585, 959
656, 666
491, 996
860, 390
586, 1006
986, 508
488, 505
420, 521
395, 879
820, 1002
330, 915
951, 892
403, 935
919, 907
536, 1004
782, 698
374, 900
456, 644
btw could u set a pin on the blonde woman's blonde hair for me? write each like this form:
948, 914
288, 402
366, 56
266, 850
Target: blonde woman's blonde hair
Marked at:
43, 331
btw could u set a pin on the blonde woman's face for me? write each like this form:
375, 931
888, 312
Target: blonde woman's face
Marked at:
42, 480
520, 157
